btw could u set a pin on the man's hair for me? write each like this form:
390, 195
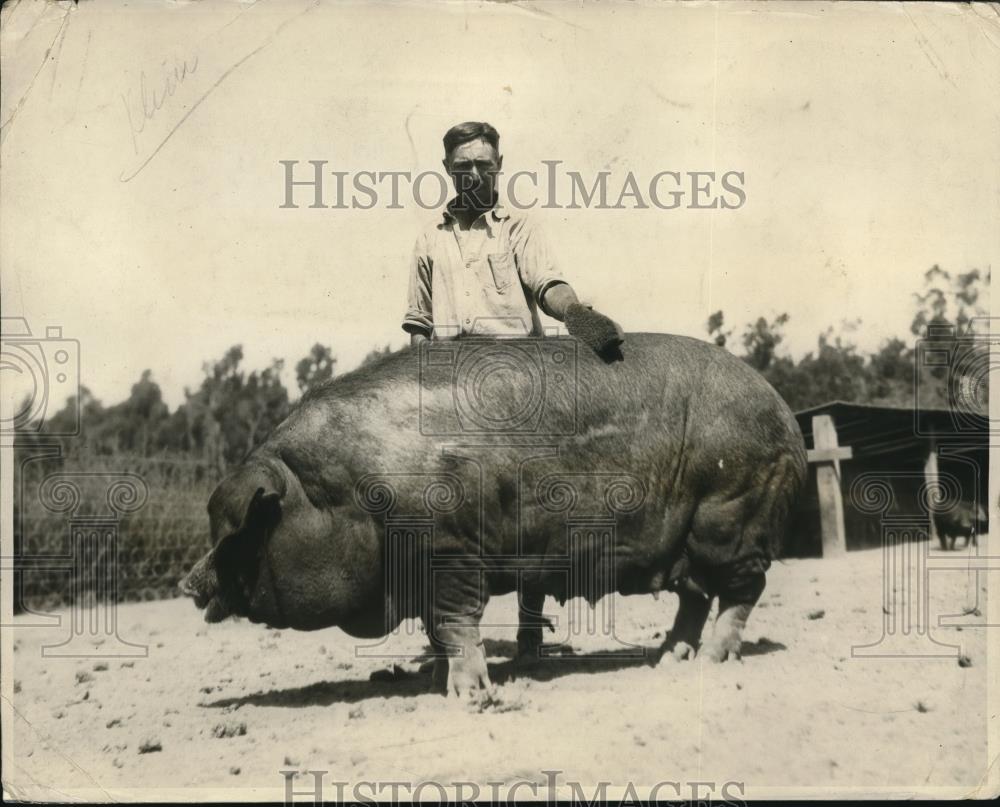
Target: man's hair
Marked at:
471, 130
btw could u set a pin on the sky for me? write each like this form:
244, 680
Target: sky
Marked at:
153, 233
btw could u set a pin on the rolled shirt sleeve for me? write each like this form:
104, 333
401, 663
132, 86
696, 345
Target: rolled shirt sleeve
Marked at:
536, 263
419, 316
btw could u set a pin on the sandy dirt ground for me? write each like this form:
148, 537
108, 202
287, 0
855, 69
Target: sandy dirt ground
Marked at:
231, 705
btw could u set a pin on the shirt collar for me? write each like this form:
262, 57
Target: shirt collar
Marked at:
496, 214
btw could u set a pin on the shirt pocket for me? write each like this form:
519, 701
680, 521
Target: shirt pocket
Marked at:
502, 270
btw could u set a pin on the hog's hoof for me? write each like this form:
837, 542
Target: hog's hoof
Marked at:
436, 669
725, 649
679, 651
467, 675
529, 642
526, 662
528, 653
439, 675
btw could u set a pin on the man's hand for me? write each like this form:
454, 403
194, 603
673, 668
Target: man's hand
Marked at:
602, 334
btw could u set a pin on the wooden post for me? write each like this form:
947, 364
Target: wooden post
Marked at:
931, 477
831, 503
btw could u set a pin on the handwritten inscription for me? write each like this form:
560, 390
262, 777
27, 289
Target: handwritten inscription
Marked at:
142, 106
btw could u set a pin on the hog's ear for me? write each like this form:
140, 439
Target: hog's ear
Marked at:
238, 555
263, 512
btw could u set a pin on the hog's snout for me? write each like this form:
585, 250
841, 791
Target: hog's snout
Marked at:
186, 586
201, 582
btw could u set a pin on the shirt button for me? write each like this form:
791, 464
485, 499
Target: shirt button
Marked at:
468, 264
468, 294
467, 321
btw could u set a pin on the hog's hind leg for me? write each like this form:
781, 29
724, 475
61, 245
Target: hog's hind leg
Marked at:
736, 602
747, 528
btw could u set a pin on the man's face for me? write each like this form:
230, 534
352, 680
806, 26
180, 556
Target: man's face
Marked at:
473, 167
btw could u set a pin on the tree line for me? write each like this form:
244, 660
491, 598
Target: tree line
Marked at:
945, 356
233, 409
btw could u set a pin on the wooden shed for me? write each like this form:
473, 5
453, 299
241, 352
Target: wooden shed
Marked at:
868, 463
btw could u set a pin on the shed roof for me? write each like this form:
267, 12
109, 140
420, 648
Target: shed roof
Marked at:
873, 429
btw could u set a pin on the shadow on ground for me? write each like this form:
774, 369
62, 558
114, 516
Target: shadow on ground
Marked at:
557, 661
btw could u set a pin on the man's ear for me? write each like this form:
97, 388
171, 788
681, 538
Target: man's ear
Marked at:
238, 555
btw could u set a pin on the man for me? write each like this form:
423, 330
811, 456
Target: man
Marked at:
485, 269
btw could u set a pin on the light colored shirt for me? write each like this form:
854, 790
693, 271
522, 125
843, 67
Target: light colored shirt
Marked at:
487, 280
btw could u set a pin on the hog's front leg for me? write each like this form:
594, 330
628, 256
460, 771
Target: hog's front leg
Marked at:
457, 605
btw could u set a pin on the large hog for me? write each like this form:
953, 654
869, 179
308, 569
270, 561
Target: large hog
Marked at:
422, 484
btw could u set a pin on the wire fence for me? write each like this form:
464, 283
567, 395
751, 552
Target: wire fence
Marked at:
133, 526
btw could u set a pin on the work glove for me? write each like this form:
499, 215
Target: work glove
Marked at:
603, 335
